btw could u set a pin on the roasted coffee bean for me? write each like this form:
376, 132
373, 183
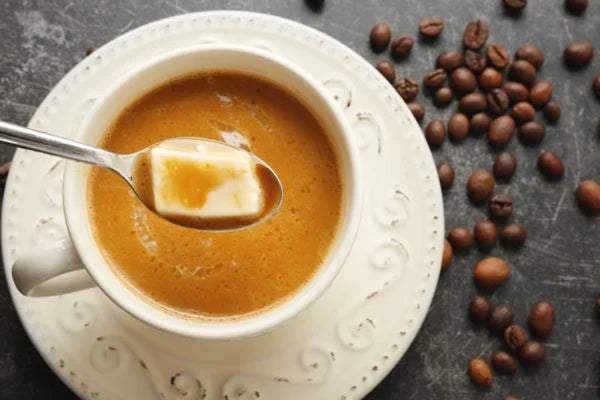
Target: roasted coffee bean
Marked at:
462, 81
407, 87
480, 186
417, 110
532, 54
491, 272
588, 196
315, 5
514, 337
516, 91
458, 127
401, 46
501, 205
472, 103
515, 4
387, 69
485, 234
541, 93
90, 50
475, 35
523, 112
576, 6
443, 96
513, 235
474, 61
579, 54
4, 170
435, 133
479, 308
551, 166
596, 85
500, 318
460, 239
497, 101
497, 55
449, 60
505, 165
480, 372
446, 174
541, 319
532, 132
532, 352
552, 111
480, 122
380, 37
504, 362
501, 131
490, 78
598, 305
435, 79
522, 71
431, 26
447, 255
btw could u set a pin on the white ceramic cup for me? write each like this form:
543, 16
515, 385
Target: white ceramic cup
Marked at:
41, 266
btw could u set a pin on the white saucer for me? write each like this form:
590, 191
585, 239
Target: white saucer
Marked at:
345, 343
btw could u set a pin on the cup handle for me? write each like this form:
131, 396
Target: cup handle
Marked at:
38, 266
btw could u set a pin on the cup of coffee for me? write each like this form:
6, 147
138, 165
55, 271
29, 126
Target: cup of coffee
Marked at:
211, 285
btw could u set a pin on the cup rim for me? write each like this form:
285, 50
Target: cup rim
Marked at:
236, 328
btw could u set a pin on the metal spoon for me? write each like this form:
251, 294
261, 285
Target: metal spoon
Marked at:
123, 165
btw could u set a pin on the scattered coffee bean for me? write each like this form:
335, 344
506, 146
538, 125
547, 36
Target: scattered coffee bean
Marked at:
476, 34
541, 319
485, 234
447, 255
551, 166
598, 305
501, 205
435, 133
497, 55
588, 196
431, 26
380, 37
515, 4
532, 352
514, 337
407, 87
417, 110
90, 50
523, 112
522, 71
387, 69
532, 132
480, 372
516, 91
596, 85
474, 61
315, 5
435, 79
473, 103
513, 235
480, 122
462, 81
401, 46
532, 54
490, 78
501, 317
458, 127
505, 165
480, 186
504, 362
552, 111
4, 170
501, 131
449, 60
497, 101
460, 239
479, 308
541, 93
443, 96
446, 175
579, 54
576, 6
491, 272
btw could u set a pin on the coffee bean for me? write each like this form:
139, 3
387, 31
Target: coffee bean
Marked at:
497, 101
443, 96
516, 91
588, 196
490, 78
447, 255
407, 87
532, 352
475, 35
480, 186
514, 337
480, 372
435, 133
458, 127
515, 4
401, 46
4, 170
552, 111
505, 165
511, 398
380, 37
315, 5
504, 362
90, 50
485, 234
523, 112
445, 174
598, 305
480, 122
596, 85
532, 132
497, 55
501, 131
431, 26
522, 71
500, 318
541, 319
435, 79
551, 166
513, 235
532, 54
417, 110
462, 81
501, 205
576, 6
387, 69
474, 61
472, 103
540, 93
449, 60
491, 272
479, 308
460, 239
579, 54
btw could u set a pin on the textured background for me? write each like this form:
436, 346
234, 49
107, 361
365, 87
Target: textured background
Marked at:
41, 40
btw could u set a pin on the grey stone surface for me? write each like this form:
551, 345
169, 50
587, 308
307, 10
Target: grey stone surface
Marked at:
41, 40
